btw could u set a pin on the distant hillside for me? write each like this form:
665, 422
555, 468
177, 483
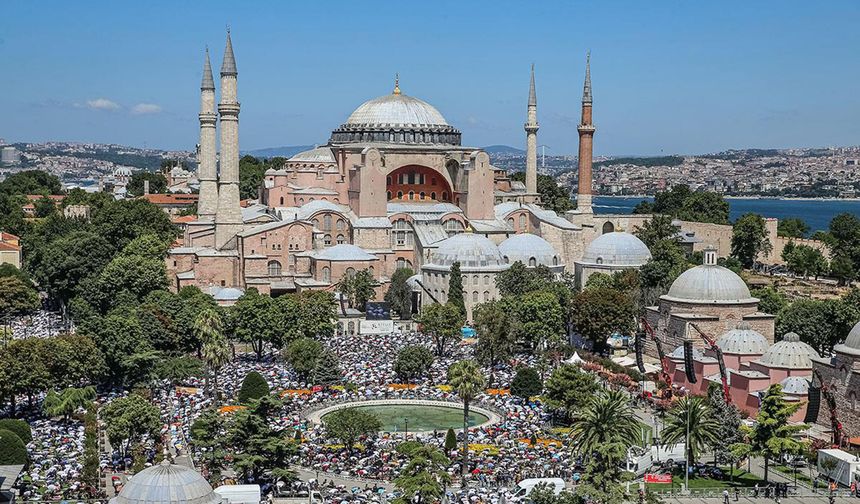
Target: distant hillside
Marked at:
503, 149
271, 152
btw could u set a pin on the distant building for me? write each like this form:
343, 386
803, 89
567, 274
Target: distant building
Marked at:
10, 249
9, 156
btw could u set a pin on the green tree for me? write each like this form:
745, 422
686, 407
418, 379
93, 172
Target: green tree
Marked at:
705, 207
842, 268
792, 228
569, 388
215, 348
67, 402
12, 449
178, 369
771, 300
31, 182
303, 354
399, 294
412, 361
455, 288
124, 220
450, 441
363, 288
44, 207
540, 319
253, 320
518, 280
206, 436
466, 378
598, 313
728, 419
442, 322
70, 260
327, 371
667, 262
772, 435
317, 314
497, 330
254, 386
750, 239
128, 419
424, 478
806, 261
157, 183
657, 229
819, 323
606, 418
691, 421
251, 174
16, 298
350, 424
135, 275
19, 427
261, 452
526, 383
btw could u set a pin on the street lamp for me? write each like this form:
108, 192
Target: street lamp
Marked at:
687, 452
406, 429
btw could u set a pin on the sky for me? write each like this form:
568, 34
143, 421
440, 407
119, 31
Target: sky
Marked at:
670, 77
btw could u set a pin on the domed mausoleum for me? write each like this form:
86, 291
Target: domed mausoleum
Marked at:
843, 367
166, 483
611, 252
713, 297
480, 262
532, 251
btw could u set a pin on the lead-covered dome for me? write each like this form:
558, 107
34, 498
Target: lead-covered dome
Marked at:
795, 385
166, 483
617, 249
710, 284
529, 249
469, 249
743, 340
851, 345
790, 353
396, 118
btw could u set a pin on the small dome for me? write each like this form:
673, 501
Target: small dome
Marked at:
344, 252
743, 341
790, 353
617, 249
227, 293
710, 284
469, 249
795, 385
525, 247
851, 345
396, 110
317, 155
678, 353
166, 483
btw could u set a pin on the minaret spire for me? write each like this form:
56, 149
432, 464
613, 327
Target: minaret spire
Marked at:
531, 128
207, 203
586, 144
228, 219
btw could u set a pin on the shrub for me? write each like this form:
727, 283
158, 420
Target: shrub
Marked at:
19, 427
450, 441
254, 386
526, 383
12, 449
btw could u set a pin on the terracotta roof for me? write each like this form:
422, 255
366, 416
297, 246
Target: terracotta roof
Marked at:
171, 199
4, 236
184, 219
37, 197
9, 246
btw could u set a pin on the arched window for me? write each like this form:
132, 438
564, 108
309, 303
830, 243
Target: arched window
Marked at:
326, 274
401, 263
301, 201
274, 269
370, 269
350, 272
339, 224
475, 297
511, 222
399, 194
327, 222
412, 195
608, 227
327, 240
388, 194
486, 279
444, 195
422, 195
317, 224
475, 280
433, 195
340, 239
522, 222
291, 263
532, 262
555, 260
453, 226
282, 201
486, 296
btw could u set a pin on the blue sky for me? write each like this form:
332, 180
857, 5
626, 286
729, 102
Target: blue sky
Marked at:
670, 77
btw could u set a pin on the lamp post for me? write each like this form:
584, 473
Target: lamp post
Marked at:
687, 452
406, 429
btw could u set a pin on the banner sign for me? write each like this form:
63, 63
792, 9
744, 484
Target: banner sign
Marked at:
376, 327
658, 478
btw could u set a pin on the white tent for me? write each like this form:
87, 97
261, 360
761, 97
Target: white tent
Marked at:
575, 359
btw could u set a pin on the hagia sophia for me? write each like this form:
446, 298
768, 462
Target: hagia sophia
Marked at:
394, 187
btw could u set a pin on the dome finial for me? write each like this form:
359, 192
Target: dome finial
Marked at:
396, 84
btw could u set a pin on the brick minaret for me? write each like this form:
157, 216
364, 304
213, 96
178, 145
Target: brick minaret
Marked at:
207, 174
228, 219
586, 140
531, 128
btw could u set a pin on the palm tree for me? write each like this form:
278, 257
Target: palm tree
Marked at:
607, 418
466, 378
216, 349
692, 420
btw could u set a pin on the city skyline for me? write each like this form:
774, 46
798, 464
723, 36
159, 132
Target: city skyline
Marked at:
670, 79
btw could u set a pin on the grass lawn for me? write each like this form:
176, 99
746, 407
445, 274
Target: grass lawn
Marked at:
802, 473
741, 479
647, 434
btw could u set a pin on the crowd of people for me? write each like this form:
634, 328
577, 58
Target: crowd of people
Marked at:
41, 324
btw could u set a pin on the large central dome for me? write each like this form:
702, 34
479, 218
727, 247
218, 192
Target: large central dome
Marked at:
396, 110
396, 119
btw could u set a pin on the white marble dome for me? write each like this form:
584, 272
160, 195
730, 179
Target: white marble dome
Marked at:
790, 353
166, 483
470, 250
396, 110
526, 246
851, 345
617, 249
743, 340
710, 284
795, 385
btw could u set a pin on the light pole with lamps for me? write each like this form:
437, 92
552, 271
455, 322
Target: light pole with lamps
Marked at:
406, 429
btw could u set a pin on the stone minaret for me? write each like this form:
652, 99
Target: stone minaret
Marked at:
586, 141
228, 219
207, 174
531, 128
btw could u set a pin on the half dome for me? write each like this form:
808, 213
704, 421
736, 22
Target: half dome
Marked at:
617, 249
526, 247
166, 483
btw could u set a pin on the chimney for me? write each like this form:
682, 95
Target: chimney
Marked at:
710, 256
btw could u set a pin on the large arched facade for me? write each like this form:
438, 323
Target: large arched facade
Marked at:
417, 183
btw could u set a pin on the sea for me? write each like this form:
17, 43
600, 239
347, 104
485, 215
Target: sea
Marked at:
817, 213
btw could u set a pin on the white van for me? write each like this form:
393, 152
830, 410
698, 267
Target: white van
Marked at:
240, 494
525, 487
